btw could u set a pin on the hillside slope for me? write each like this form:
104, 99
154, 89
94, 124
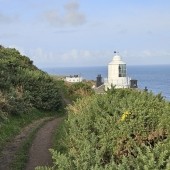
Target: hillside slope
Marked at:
23, 86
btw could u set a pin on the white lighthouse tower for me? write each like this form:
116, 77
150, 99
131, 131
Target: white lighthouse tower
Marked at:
117, 74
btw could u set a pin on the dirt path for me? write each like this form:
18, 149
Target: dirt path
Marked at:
11, 148
39, 154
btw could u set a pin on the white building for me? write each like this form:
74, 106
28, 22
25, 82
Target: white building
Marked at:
117, 74
74, 79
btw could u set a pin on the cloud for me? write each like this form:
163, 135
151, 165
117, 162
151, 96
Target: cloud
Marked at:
71, 6
83, 58
9, 36
66, 31
5, 19
71, 58
20, 49
86, 57
146, 57
71, 17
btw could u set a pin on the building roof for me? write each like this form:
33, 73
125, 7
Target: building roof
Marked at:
117, 60
73, 76
100, 89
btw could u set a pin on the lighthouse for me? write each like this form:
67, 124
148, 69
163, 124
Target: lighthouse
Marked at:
117, 73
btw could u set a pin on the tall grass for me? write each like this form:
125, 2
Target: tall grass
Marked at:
12, 126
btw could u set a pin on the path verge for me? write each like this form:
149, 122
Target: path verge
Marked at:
39, 154
8, 154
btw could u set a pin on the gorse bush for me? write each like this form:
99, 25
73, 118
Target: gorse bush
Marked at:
123, 129
18, 101
3, 105
43, 89
79, 90
23, 86
14, 102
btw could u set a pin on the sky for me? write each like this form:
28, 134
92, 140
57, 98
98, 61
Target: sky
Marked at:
77, 33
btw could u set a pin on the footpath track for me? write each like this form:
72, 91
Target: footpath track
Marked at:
39, 154
8, 154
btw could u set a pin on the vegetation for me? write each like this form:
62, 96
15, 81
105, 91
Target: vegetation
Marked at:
26, 94
124, 129
24, 87
22, 154
13, 125
79, 90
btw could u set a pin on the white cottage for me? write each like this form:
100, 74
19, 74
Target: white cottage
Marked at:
74, 79
117, 74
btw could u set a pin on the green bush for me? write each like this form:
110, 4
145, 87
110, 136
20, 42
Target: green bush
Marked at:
23, 86
19, 101
3, 113
79, 90
43, 89
14, 102
123, 129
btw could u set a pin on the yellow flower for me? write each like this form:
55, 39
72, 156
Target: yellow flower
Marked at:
125, 114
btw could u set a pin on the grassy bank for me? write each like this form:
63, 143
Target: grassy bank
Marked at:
22, 154
13, 126
59, 133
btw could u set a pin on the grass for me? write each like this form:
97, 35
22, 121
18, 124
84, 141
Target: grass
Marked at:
57, 139
22, 155
12, 126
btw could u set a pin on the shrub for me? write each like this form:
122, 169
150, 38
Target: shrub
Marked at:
23, 86
3, 103
79, 90
124, 129
15, 102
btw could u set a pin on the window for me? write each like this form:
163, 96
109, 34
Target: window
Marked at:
122, 70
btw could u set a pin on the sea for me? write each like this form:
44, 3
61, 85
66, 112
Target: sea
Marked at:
155, 77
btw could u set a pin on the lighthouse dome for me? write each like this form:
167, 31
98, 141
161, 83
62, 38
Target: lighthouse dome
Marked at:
117, 60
